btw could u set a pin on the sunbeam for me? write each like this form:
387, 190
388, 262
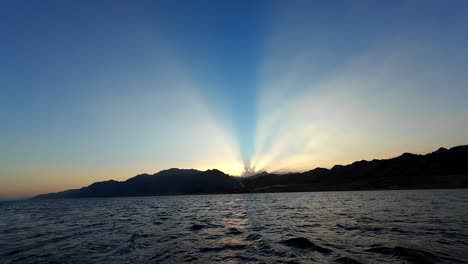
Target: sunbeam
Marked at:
384, 99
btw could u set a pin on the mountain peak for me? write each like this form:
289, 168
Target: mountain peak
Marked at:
447, 169
441, 150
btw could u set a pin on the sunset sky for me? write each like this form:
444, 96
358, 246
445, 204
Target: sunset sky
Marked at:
99, 90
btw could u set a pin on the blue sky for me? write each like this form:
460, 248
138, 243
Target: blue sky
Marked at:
93, 90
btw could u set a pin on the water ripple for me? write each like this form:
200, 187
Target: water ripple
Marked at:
334, 227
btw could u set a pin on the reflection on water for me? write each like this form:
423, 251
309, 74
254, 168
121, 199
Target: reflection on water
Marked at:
343, 227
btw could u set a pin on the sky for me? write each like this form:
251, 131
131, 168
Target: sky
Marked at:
99, 90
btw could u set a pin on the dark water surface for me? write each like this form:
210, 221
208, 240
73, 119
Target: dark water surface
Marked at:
429, 226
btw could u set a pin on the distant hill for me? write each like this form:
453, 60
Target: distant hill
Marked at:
166, 182
444, 168
440, 169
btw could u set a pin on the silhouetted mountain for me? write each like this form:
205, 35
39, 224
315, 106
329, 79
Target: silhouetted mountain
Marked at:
440, 169
166, 182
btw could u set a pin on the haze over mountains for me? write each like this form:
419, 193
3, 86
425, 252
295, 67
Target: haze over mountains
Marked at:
444, 168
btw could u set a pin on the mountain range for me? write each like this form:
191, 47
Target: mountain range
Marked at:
444, 168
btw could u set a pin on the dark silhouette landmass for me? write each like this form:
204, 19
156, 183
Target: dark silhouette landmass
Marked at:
166, 182
444, 168
440, 169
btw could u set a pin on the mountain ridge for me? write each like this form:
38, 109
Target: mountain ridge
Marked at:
443, 168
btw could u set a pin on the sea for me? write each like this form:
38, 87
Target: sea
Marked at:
398, 226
